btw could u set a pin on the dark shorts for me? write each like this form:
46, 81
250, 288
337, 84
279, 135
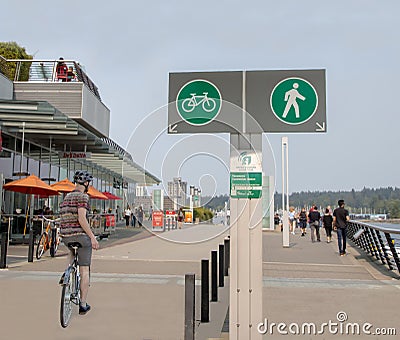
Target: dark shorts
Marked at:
85, 252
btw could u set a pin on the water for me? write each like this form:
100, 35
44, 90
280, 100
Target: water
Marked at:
396, 237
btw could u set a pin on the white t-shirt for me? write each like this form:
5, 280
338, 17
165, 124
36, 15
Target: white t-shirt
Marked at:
128, 212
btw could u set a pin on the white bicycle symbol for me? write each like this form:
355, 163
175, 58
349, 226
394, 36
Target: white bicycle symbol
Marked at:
208, 104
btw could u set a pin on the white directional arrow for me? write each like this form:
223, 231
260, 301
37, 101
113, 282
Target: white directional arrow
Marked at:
320, 127
171, 128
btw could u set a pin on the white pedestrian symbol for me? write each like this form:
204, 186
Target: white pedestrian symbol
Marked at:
290, 98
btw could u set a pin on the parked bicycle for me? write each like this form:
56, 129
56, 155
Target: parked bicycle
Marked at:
50, 238
70, 281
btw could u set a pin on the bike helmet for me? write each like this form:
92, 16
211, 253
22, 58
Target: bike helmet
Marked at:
82, 176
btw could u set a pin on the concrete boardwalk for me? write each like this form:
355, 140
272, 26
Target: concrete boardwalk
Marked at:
310, 283
137, 290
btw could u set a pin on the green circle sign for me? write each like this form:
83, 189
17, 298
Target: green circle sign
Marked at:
294, 101
198, 102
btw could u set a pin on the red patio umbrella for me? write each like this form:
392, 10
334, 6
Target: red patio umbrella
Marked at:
111, 196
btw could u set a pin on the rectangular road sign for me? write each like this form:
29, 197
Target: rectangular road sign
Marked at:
282, 101
286, 101
205, 102
246, 184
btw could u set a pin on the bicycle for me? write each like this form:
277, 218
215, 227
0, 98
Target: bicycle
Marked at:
70, 281
208, 104
47, 241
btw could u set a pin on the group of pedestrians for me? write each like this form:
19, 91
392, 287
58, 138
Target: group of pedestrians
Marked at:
330, 220
133, 215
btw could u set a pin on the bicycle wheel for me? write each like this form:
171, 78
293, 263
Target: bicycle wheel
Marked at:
66, 304
188, 105
42, 246
209, 105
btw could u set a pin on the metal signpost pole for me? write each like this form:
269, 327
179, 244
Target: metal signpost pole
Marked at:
285, 196
246, 254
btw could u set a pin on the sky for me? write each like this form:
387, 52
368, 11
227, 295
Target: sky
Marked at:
128, 49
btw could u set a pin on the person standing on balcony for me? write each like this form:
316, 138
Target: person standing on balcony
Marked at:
71, 74
61, 70
340, 218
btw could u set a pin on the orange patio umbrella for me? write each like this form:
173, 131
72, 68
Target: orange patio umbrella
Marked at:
31, 185
96, 194
64, 186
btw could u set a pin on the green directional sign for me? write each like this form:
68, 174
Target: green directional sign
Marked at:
198, 102
294, 100
246, 184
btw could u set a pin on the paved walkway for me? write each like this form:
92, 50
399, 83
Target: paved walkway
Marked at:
310, 283
137, 290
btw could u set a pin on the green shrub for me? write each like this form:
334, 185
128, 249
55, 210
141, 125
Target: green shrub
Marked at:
203, 214
11, 50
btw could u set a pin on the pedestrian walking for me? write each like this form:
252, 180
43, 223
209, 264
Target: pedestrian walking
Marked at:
314, 216
140, 214
134, 217
181, 217
303, 221
292, 217
127, 215
340, 218
327, 221
151, 213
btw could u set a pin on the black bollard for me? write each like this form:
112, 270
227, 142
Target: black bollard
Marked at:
227, 255
31, 246
214, 276
3, 254
189, 307
53, 233
205, 291
221, 265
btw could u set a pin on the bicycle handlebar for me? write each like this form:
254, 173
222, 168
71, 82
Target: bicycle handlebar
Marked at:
49, 220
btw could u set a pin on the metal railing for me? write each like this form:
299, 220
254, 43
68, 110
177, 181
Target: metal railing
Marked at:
377, 241
35, 70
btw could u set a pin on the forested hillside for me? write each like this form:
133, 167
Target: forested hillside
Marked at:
382, 200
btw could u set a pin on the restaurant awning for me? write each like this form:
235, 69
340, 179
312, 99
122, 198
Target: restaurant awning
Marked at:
45, 126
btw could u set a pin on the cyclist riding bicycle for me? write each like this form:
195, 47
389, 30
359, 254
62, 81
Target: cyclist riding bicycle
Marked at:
74, 227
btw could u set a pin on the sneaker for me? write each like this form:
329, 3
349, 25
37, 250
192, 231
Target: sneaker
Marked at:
84, 309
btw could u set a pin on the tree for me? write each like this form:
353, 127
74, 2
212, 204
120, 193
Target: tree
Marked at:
11, 50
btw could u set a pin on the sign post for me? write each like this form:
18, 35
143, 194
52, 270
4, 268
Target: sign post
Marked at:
245, 237
285, 192
281, 101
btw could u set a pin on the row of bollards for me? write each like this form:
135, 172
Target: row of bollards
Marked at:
219, 269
